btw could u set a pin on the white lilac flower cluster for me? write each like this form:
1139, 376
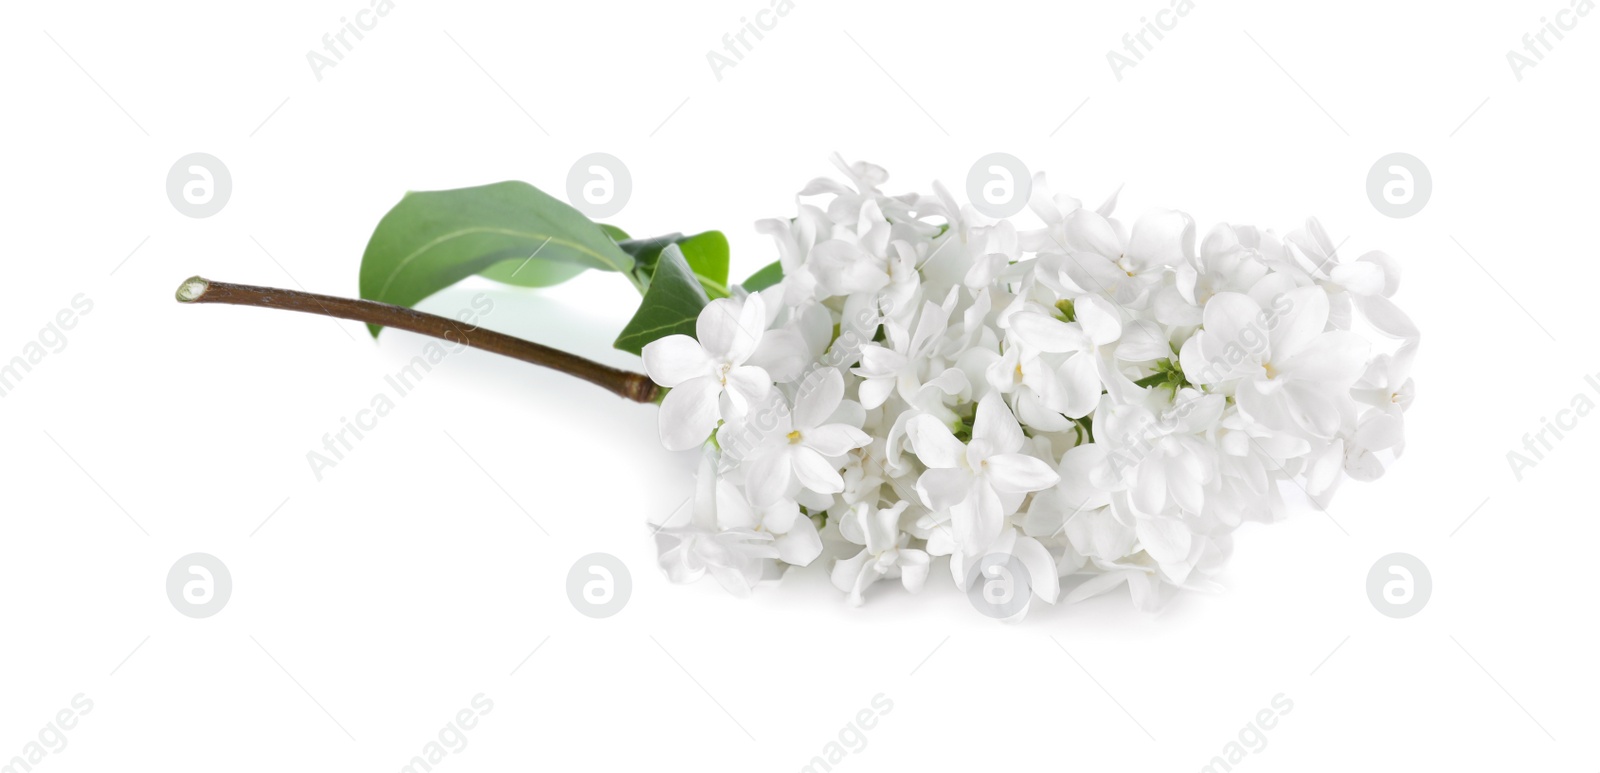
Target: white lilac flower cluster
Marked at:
1083, 404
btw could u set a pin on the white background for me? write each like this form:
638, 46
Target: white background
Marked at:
375, 604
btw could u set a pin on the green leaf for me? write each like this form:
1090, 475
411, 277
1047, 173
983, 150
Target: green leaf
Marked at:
510, 231
705, 253
539, 273
1168, 374
532, 273
768, 276
645, 252
671, 303
1156, 379
707, 256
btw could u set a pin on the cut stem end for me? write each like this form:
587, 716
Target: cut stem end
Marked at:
192, 288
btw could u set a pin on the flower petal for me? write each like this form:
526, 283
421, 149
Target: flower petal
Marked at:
833, 439
782, 353
1098, 534
767, 477
943, 489
1092, 232
800, 545
1099, 318
1363, 277
1080, 385
819, 396
875, 391
814, 472
1232, 319
978, 520
674, 359
730, 330
689, 413
1150, 492
1161, 238
852, 575
913, 569
1143, 340
995, 424
1388, 318
1165, 539
1019, 473
1335, 358
746, 386
934, 443
733, 510
1047, 334
1300, 316
1041, 568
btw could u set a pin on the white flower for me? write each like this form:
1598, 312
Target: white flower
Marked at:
802, 450
794, 536
1160, 457
1088, 406
707, 374
735, 557
1100, 259
1011, 552
1073, 387
979, 482
886, 552
898, 368
1288, 371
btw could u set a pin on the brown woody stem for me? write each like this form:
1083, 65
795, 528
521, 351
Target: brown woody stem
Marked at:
634, 386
